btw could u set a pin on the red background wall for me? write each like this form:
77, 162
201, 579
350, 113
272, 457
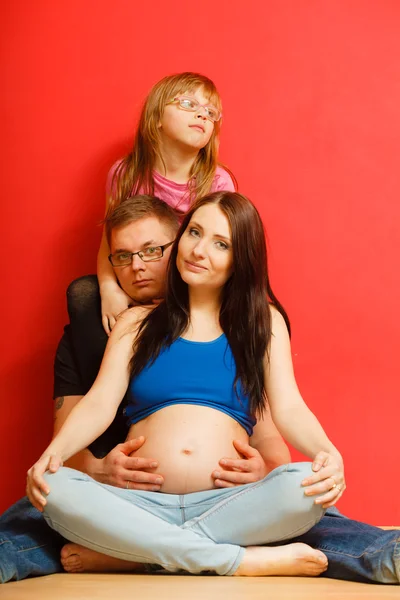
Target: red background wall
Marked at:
311, 94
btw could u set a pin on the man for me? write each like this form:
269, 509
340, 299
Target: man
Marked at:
138, 231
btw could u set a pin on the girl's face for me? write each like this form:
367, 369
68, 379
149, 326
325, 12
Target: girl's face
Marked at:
191, 129
205, 249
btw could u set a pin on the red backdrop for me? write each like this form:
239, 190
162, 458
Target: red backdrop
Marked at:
311, 101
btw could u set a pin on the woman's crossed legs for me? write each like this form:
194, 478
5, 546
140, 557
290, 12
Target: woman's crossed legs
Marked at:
215, 530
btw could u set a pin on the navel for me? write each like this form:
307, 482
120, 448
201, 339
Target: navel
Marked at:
188, 450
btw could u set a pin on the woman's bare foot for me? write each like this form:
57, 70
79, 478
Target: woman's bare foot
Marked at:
292, 559
78, 559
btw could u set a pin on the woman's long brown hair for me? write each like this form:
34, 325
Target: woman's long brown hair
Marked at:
135, 172
245, 315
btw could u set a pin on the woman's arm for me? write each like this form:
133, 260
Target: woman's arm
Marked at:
293, 418
297, 423
117, 467
94, 413
91, 416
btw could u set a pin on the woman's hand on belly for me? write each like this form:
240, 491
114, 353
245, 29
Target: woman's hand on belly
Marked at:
239, 471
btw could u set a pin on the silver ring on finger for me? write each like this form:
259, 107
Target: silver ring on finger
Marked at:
334, 484
127, 485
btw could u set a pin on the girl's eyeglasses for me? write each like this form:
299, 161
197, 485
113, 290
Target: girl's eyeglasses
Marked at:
192, 105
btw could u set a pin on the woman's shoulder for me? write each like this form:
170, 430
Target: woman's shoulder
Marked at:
223, 180
279, 328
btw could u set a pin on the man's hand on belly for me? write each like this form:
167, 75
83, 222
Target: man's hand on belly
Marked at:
121, 470
238, 471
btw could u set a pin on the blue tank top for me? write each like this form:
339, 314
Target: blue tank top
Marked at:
189, 372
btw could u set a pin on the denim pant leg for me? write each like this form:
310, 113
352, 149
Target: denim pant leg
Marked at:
124, 524
271, 510
356, 551
28, 546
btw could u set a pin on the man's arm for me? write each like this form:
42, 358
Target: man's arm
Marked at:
269, 442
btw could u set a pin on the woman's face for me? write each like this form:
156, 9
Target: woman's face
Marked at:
205, 249
190, 129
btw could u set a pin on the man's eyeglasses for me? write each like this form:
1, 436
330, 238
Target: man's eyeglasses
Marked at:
121, 259
192, 105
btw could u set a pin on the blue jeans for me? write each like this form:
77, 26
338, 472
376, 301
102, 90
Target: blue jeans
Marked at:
356, 551
197, 532
28, 546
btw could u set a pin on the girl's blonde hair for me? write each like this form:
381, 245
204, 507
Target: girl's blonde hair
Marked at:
135, 171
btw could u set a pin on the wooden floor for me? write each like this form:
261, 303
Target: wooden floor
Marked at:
170, 587
86, 586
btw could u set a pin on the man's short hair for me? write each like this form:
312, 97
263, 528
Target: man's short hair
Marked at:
140, 207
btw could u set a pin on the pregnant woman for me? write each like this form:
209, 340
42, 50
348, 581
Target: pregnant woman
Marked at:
201, 368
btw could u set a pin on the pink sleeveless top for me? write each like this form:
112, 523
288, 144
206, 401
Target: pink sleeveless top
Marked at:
177, 194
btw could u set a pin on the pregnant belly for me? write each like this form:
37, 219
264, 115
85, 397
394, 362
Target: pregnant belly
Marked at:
187, 441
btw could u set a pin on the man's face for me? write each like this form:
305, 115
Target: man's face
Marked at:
142, 281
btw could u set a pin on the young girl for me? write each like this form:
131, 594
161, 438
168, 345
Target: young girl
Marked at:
174, 157
198, 370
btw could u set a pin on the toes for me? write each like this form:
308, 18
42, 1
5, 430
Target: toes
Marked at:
72, 565
70, 562
73, 569
68, 550
320, 569
318, 557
